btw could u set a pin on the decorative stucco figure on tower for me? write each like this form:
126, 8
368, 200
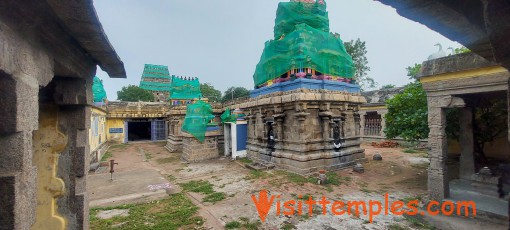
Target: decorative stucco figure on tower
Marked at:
303, 47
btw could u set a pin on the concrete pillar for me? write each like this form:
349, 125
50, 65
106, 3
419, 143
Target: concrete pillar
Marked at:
228, 139
467, 158
438, 186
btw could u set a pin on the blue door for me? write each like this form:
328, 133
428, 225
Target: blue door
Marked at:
242, 136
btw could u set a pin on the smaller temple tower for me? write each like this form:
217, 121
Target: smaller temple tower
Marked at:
156, 78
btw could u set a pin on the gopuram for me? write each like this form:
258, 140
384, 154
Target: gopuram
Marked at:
303, 114
156, 79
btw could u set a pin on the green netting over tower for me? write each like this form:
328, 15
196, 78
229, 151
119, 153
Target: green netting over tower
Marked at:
98, 90
302, 40
155, 78
198, 115
184, 88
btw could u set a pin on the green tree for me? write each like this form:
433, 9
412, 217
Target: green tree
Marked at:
208, 91
407, 114
412, 71
461, 50
234, 93
389, 86
134, 93
358, 51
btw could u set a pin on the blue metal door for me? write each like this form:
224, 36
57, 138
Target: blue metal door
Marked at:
158, 130
242, 136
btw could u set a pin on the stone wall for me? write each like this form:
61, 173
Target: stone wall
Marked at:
302, 121
175, 118
118, 109
195, 151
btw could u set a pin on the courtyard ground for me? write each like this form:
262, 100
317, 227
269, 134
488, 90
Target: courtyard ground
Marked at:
154, 189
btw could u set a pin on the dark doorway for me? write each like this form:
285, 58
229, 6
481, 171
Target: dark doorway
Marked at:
139, 131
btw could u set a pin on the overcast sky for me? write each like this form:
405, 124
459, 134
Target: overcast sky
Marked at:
221, 41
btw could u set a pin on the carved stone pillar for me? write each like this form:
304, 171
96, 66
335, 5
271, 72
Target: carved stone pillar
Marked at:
326, 120
438, 186
279, 126
467, 159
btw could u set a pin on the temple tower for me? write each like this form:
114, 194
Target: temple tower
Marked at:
156, 78
303, 113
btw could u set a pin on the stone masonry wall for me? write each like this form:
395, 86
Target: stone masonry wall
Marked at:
195, 151
303, 121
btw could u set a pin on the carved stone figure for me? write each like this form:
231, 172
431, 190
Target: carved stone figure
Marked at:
336, 137
270, 138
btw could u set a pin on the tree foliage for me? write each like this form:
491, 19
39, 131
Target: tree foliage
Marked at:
234, 93
389, 86
489, 121
358, 51
208, 91
407, 114
134, 93
461, 50
412, 71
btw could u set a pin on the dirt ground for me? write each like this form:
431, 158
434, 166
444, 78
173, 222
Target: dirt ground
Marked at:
402, 176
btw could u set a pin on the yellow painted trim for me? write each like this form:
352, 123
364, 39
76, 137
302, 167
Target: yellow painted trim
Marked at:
464, 74
48, 143
373, 108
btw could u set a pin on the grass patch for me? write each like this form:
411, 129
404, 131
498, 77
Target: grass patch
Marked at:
107, 155
233, 225
296, 178
203, 187
245, 161
148, 156
255, 174
418, 222
335, 179
175, 212
119, 146
166, 160
214, 197
171, 178
288, 226
409, 150
397, 227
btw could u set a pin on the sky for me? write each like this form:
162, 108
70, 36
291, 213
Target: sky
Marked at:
221, 41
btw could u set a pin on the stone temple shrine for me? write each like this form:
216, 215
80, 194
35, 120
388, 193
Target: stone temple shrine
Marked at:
303, 113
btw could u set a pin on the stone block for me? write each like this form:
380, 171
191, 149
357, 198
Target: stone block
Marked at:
7, 202
377, 157
19, 104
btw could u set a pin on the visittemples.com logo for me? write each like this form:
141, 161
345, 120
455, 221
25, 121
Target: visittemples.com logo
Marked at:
370, 208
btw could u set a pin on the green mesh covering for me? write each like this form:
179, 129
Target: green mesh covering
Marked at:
302, 40
228, 116
98, 90
198, 115
155, 78
185, 88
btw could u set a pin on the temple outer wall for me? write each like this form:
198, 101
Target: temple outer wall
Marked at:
302, 121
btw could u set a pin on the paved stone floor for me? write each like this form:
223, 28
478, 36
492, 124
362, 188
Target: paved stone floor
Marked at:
142, 165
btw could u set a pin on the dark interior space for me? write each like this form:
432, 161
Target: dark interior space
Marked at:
139, 131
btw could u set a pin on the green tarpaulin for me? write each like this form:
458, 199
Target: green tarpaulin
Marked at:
185, 88
303, 40
155, 78
98, 90
198, 115
228, 116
